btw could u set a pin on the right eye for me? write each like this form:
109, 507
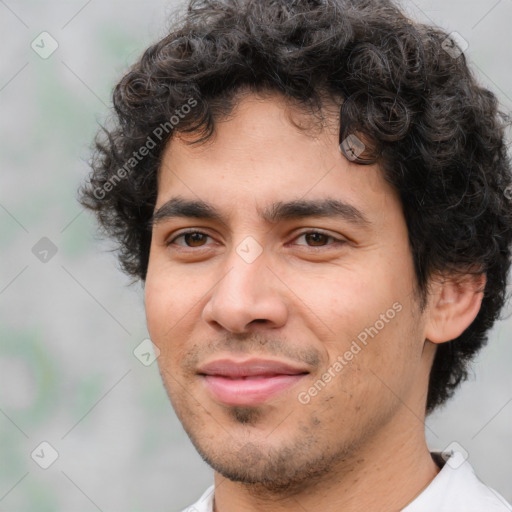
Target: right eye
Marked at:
192, 238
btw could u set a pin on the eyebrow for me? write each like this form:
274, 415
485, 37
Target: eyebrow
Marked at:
295, 209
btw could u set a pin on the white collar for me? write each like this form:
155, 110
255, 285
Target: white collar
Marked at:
456, 487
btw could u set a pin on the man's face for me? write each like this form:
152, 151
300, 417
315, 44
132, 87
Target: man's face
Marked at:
284, 352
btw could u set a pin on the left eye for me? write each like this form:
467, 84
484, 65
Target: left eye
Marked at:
317, 238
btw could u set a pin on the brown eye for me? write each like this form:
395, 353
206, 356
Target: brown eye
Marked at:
194, 239
316, 239
191, 239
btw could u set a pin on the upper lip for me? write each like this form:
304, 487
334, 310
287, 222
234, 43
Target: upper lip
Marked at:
249, 368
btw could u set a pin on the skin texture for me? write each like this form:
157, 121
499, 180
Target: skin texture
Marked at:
359, 443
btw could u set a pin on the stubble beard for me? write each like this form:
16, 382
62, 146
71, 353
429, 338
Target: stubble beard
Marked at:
287, 470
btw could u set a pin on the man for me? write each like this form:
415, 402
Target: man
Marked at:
316, 195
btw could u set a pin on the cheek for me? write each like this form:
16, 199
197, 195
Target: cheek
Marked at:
164, 306
172, 303
169, 294
351, 405
350, 302
374, 333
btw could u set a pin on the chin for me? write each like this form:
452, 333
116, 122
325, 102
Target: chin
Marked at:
285, 470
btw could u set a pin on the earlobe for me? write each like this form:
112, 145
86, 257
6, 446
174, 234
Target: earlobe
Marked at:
453, 305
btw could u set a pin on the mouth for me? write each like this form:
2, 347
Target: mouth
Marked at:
250, 382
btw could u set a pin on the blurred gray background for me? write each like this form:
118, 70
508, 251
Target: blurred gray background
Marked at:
69, 322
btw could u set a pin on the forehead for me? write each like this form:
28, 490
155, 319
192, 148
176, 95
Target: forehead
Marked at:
259, 125
268, 151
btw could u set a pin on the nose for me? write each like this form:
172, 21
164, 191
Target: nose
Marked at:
249, 294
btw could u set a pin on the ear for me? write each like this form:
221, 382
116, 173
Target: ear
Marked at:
453, 304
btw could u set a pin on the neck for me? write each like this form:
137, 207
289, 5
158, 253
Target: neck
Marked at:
385, 474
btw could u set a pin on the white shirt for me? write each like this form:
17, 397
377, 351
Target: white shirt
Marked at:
456, 488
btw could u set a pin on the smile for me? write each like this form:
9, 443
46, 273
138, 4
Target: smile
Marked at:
250, 382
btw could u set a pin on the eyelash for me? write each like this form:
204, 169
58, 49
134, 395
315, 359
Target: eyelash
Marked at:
182, 234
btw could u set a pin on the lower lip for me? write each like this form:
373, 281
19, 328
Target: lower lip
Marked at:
248, 391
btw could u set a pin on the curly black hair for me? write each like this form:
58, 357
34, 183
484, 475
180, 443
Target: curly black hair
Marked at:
403, 87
